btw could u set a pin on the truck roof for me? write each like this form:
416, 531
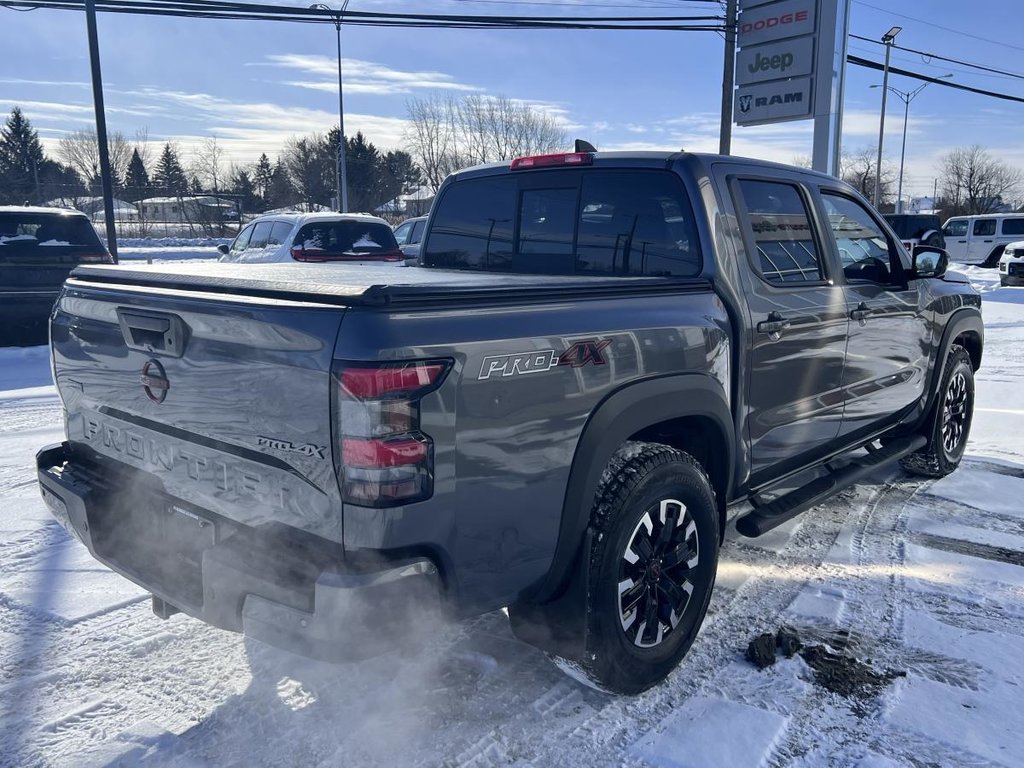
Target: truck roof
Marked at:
640, 159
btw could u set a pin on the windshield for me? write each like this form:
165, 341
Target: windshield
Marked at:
346, 237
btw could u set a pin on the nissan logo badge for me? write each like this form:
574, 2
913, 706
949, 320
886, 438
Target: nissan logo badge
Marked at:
154, 381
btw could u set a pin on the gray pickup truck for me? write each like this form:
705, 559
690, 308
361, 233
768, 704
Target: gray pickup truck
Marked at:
601, 354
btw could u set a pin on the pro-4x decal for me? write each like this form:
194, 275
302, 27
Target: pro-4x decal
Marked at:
541, 360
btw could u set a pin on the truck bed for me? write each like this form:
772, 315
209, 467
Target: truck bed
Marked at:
346, 285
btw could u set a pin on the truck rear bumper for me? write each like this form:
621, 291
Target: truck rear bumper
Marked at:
277, 586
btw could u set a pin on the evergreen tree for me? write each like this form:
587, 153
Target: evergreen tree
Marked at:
241, 184
194, 186
21, 156
262, 176
169, 174
363, 167
136, 179
280, 193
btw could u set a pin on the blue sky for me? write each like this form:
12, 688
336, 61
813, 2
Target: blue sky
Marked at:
254, 84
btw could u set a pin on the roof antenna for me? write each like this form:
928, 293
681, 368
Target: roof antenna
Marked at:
584, 146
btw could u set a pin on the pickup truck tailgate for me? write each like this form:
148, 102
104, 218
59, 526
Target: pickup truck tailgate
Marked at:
225, 400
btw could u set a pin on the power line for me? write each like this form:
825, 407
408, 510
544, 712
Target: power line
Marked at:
270, 12
938, 26
939, 57
857, 60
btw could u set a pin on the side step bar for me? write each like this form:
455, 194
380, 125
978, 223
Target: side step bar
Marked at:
773, 514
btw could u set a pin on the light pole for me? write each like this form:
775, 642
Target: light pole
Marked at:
337, 16
888, 38
906, 97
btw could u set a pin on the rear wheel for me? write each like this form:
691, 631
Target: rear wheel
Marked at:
993, 258
950, 423
652, 569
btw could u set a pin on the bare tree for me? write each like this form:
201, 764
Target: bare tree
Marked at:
974, 182
209, 158
432, 137
857, 169
81, 150
446, 134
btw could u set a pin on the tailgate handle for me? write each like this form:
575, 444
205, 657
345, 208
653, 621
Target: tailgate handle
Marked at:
153, 331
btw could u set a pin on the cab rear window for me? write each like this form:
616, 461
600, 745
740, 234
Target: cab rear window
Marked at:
18, 230
567, 222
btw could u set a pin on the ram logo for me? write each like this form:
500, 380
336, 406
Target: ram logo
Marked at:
745, 102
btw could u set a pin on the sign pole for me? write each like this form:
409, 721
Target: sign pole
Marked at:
728, 78
834, 21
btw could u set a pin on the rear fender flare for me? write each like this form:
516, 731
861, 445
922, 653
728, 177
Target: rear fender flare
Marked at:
619, 416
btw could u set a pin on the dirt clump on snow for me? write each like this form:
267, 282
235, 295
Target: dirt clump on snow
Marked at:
834, 669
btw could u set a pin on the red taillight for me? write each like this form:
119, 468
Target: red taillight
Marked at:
382, 454
547, 161
318, 255
384, 459
369, 383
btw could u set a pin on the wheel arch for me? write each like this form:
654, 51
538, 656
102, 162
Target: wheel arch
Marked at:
964, 327
687, 411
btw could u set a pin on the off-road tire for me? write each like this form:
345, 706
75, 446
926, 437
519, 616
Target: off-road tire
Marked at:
937, 459
672, 487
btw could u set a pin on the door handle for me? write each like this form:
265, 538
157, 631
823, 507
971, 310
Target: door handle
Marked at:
860, 314
774, 325
986, 241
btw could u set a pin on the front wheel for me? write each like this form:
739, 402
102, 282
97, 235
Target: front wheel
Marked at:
950, 423
653, 565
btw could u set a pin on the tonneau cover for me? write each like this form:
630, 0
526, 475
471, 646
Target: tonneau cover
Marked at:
369, 285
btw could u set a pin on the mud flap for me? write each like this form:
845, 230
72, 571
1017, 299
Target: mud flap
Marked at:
559, 626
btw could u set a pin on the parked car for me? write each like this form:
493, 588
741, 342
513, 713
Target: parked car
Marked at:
602, 354
314, 237
981, 239
38, 249
1011, 264
917, 229
409, 234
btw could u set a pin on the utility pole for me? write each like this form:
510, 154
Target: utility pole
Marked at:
888, 38
101, 127
728, 78
342, 171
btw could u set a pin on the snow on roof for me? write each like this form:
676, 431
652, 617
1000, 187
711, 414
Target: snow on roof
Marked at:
39, 209
304, 217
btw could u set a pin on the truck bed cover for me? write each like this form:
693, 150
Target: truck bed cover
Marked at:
351, 285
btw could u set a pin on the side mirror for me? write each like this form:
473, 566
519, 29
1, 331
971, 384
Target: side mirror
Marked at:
930, 261
223, 249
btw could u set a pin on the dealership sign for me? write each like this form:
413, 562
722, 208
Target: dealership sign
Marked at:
773, 61
767, 23
775, 67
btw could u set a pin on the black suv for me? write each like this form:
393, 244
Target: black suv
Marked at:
38, 249
917, 229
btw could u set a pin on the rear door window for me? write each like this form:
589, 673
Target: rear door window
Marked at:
403, 233
984, 227
567, 222
261, 235
783, 236
279, 233
417, 232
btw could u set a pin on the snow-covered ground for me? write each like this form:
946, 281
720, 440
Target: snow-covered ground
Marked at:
921, 580
170, 249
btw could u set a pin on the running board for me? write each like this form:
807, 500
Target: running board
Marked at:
773, 514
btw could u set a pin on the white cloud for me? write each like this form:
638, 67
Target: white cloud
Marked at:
363, 76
